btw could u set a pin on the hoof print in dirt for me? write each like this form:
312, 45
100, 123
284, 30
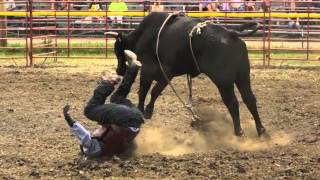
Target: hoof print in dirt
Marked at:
265, 136
200, 125
310, 139
34, 173
10, 110
241, 168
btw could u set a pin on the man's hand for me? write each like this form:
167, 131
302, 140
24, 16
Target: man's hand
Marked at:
111, 78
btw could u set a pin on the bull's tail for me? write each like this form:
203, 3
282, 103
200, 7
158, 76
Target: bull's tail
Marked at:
239, 32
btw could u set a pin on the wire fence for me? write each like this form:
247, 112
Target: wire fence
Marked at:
40, 30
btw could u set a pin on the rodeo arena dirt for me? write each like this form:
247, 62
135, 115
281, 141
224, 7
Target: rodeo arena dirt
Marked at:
37, 81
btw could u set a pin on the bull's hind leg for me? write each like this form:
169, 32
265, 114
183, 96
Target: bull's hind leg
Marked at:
230, 100
145, 84
250, 101
156, 91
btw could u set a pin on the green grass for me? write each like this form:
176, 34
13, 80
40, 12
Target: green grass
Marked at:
18, 50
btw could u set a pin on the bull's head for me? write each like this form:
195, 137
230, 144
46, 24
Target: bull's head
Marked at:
119, 47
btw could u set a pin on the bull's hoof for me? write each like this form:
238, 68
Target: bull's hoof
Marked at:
262, 133
147, 116
240, 133
148, 113
195, 123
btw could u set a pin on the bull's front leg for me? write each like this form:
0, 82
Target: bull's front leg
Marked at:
145, 83
156, 91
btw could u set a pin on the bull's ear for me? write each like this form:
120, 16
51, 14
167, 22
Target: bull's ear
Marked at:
119, 37
123, 37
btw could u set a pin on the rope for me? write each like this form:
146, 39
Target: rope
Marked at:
189, 80
198, 29
189, 108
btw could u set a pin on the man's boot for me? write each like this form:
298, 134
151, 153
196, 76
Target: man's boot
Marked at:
67, 116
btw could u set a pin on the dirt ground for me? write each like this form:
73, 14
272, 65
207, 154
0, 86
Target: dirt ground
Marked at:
35, 141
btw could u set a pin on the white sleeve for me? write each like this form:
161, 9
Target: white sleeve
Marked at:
82, 133
90, 146
133, 129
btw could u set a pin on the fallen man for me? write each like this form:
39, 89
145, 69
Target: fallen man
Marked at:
120, 120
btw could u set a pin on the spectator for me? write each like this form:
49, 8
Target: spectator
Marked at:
214, 6
145, 5
95, 6
265, 6
203, 5
117, 6
293, 22
250, 5
237, 5
316, 3
9, 5
156, 7
64, 4
20, 4
209, 5
78, 5
187, 6
59, 4
226, 6
53, 4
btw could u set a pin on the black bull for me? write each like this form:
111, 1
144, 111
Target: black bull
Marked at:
219, 52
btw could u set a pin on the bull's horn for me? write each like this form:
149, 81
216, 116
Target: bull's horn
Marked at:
130, 54
112, 34
132, 58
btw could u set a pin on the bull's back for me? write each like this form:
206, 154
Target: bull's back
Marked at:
220, 53
213, 48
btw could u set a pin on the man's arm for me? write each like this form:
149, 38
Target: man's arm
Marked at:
104, 89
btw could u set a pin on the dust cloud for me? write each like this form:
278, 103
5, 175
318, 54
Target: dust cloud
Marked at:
216, 132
